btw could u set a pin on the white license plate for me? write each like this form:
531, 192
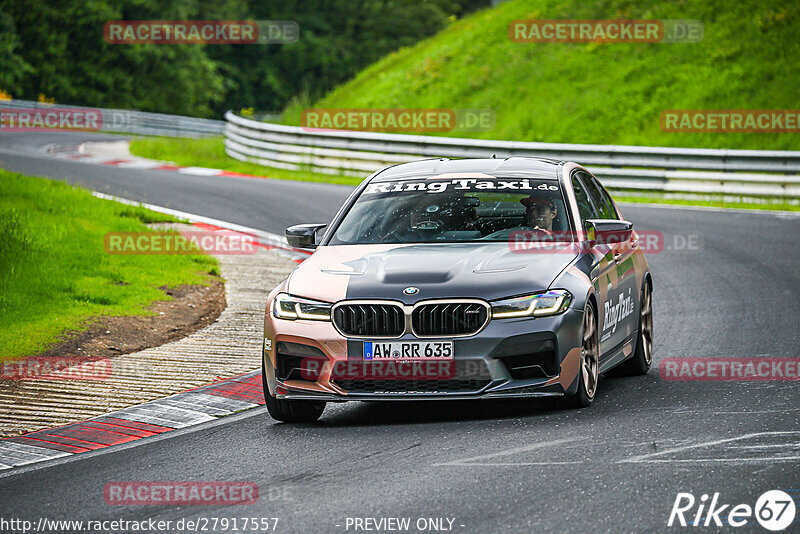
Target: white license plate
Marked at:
408, 350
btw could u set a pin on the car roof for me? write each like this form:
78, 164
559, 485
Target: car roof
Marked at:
517, 166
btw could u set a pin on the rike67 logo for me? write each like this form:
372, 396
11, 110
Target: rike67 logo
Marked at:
774, 510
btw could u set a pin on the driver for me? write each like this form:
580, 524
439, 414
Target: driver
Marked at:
539, 214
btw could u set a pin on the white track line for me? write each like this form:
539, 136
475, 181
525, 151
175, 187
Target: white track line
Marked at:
526, 448
718, 460
650, 457
508, 464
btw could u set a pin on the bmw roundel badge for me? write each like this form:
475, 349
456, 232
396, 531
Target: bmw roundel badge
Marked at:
411, 290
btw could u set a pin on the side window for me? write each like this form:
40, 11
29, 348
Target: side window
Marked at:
585, 207
609, 202
599, 197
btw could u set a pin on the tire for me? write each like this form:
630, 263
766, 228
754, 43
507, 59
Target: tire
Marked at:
588, 374
290, 411
639, 363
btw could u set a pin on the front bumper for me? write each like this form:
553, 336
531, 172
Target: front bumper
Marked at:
510, 358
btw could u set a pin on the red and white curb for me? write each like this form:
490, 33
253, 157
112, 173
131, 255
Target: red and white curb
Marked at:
181, 410
265, 240
76, 153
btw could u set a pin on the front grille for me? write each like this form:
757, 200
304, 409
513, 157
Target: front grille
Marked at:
363, 320
449, 318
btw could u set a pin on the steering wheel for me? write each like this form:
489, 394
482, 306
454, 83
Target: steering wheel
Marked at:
427, 226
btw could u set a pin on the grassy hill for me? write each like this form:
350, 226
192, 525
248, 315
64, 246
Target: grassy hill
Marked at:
597, 93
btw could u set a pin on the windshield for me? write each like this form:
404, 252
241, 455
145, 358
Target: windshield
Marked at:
457, 210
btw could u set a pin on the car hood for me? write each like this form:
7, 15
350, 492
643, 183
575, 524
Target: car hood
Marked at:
483, 270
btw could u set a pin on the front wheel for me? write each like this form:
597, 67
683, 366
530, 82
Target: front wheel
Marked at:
588, 373
290, 411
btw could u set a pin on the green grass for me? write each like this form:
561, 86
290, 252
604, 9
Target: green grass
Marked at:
210, 152
54, 272
596, 93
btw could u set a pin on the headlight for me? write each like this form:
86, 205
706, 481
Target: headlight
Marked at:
288, 307
538, 305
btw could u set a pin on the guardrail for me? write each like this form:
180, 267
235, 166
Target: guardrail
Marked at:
137, 122
742, 173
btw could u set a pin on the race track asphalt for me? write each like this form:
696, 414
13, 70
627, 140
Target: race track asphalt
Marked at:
727, 284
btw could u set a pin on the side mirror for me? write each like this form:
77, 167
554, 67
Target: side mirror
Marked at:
303, 235
608, 231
